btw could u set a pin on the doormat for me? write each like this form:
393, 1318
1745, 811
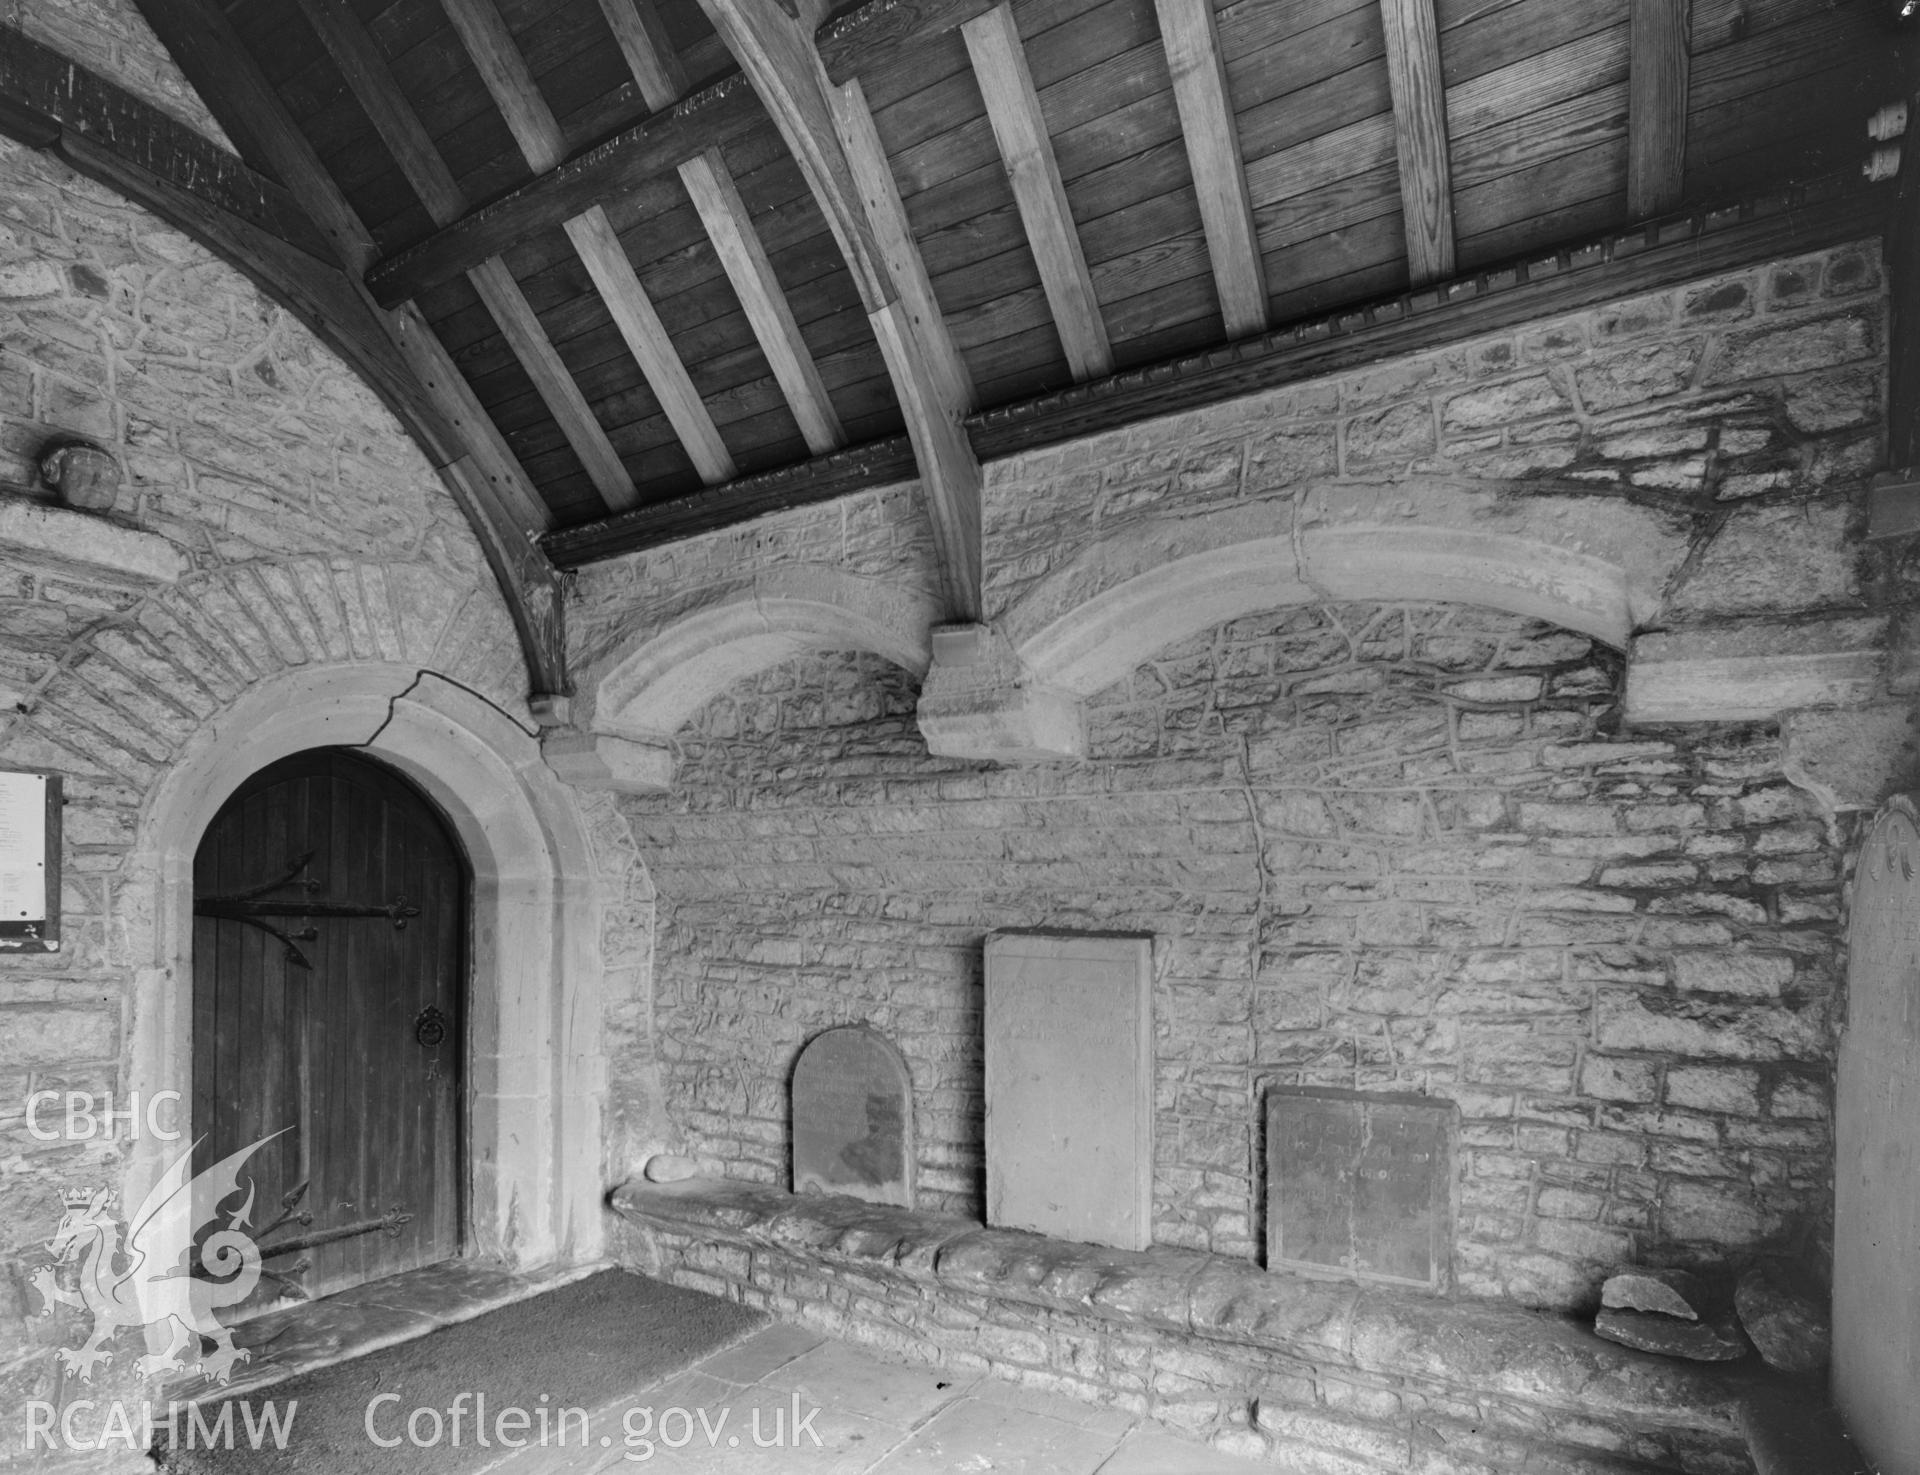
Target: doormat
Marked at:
535, 1375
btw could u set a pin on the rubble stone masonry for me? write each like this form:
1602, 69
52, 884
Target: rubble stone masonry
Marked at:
273, 517
1381, 845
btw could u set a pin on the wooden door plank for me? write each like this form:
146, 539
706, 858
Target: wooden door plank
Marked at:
1213, 150
1420, 137
1013, 108
371, 80
1657, 107
534, 128
716, 199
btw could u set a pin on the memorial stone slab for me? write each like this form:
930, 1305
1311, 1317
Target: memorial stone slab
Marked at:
853, 1118
1069, 1081
1360, 1185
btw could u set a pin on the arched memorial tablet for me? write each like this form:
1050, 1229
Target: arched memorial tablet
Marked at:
853, 1118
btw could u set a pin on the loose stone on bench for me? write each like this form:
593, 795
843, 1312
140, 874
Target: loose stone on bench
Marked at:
1670, 1292
1791, 1329
1650, 1331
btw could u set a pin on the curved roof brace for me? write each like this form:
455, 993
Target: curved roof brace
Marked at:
829, 131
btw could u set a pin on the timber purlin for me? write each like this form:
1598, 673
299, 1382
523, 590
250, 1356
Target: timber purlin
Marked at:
1674, 249
44, 96
658, 145
1661, 253
191, 183
822, 479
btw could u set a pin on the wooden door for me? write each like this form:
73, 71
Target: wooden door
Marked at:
329, 963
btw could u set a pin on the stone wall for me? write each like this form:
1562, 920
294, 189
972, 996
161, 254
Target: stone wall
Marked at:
1382, 844
274, 518
1760, 386
1380, 847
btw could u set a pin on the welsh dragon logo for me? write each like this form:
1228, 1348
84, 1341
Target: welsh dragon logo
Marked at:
149, 1280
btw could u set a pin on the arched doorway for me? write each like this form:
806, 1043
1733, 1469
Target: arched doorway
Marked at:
330, 948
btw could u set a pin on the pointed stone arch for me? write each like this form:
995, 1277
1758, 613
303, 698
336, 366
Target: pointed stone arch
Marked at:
632, 702
161, 713
1597, 565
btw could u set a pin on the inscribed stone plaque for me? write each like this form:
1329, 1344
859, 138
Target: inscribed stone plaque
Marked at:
1069, 1077
853, 1118
1360, 1185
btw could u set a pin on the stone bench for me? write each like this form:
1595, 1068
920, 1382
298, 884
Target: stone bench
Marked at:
1325, 1377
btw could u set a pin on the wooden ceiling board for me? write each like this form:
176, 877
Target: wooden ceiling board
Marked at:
1718, 23
1184, 299
1262, 73
1495, 99
1339, 204
1180, 335
1014, 387
941, 132
1520, 143
1357, 151
1248, 28
1536, 98
1801, 138
1535, 237
1521, 30
721, 354
1309, 277
1139, 246
979, 326
953, 238
1301, 119
1143, 117
1815, 43
1512, 203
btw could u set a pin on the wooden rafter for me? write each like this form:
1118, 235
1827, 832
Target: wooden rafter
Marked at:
1192, 42
1420, 137
1649, 258
1019, 127
776, 52
617, 165
716, 199
364, 68
1657, 105
880, 194
537, 131
883, 32
196, 187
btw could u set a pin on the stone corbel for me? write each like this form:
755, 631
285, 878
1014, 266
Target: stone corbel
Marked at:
88, 544
1755, 671
980, 701
604, 762
1846, 736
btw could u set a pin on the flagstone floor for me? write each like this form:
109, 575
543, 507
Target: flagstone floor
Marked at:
749, 1408
735, 1414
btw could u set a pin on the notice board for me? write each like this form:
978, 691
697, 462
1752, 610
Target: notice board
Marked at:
29, 862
